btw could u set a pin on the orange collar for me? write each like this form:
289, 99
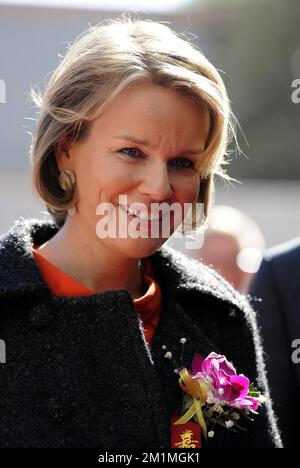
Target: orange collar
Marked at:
62, 284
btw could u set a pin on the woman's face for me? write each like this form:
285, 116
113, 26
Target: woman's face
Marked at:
146, 145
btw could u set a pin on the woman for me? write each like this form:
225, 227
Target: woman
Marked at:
133, 114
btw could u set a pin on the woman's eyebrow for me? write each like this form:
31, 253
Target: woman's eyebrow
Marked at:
146, 143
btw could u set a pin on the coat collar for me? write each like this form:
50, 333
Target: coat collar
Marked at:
176, 273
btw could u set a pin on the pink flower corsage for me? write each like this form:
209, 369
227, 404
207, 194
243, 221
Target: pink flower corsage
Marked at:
214, 394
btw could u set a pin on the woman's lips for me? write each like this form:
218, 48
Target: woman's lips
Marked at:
144, 217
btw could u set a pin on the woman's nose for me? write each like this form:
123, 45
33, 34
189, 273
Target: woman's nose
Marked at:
156, 184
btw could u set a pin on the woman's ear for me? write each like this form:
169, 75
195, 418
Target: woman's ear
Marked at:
62, 155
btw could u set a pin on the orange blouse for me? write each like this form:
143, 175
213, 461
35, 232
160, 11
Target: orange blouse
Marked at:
147, 306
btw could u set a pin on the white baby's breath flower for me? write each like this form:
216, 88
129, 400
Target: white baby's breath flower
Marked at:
210, 399
236, 416
164, 346
183, 340
218, 408
211, 434
229, 424
168, 355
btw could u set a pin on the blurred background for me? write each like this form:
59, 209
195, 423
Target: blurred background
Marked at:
254, 43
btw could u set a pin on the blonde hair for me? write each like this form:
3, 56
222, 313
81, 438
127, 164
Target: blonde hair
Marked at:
102, 62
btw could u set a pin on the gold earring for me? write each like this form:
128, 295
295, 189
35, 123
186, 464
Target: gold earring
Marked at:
66, 180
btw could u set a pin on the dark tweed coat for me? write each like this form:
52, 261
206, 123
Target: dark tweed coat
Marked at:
79, 372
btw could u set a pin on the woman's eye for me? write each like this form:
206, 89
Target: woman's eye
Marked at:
131, 152
184, 163
179, 163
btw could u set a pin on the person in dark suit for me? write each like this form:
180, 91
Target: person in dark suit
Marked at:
276, 297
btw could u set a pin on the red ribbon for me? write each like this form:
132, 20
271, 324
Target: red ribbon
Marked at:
186, 435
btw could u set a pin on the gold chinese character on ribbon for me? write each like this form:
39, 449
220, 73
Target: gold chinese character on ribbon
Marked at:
186, 441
